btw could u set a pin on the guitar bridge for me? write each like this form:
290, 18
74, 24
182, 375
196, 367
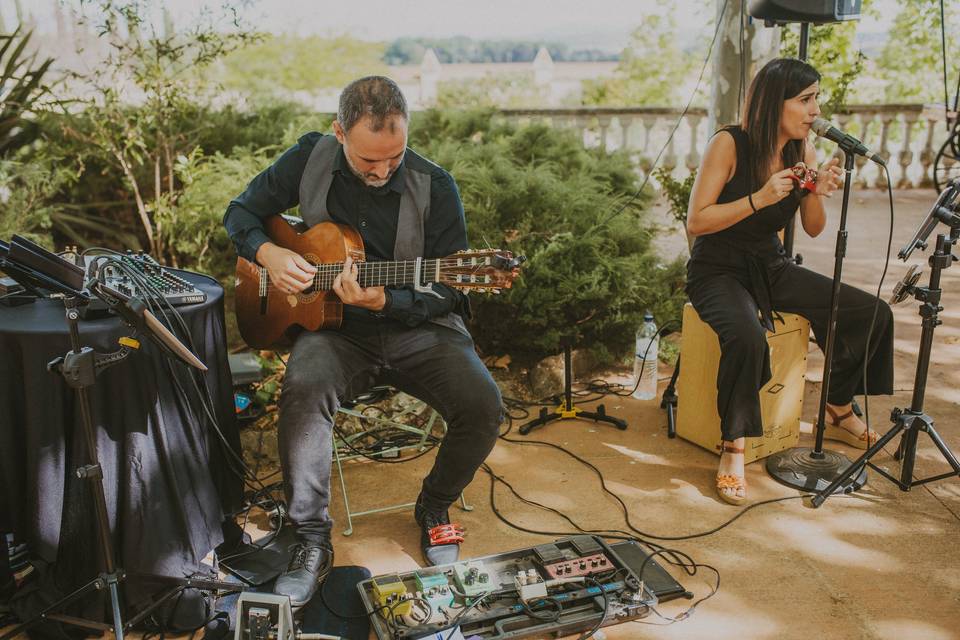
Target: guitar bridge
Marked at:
264, 283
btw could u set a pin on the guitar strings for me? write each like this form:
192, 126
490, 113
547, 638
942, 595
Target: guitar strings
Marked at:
327, 272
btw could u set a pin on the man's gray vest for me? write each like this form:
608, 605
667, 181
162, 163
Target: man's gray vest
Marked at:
414, 208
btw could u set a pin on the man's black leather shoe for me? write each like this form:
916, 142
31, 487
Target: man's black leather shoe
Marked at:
439, 540
309, 566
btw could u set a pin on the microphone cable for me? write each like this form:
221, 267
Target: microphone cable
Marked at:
676, 126
876, 310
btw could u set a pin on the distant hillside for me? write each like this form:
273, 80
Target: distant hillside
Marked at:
462, 49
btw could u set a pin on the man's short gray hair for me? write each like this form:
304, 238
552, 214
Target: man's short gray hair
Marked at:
376, 96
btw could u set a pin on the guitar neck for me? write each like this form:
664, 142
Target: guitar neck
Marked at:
381, 274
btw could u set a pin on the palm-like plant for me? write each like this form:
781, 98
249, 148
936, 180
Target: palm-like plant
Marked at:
21, 86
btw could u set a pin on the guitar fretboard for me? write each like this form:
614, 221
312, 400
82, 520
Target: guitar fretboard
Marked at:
457, 270
380, 274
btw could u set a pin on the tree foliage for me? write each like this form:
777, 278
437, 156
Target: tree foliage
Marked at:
648, 69
462, 49
147, 80
536, 191
911, 63
21, 88
27, 191
287, 64
831, 51
504, 90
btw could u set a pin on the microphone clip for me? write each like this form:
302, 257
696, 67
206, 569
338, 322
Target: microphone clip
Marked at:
905, 288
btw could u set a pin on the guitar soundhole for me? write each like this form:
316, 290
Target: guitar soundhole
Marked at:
308, 295
311, 293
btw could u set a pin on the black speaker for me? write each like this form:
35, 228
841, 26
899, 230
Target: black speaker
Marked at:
815, 11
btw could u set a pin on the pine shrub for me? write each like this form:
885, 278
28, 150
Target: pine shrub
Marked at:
591, 270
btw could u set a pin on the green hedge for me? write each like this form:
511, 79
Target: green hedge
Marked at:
535, 190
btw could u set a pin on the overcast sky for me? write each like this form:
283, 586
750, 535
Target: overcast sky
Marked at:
580, 23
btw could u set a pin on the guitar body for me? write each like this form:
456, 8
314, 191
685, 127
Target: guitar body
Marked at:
264, 313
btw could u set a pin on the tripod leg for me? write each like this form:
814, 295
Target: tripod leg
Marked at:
908, 453
669, 401
857, 464
545, 417
62, 602
947, 454
115, 603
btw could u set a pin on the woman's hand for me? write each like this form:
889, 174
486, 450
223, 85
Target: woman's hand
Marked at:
776, 189
829, 178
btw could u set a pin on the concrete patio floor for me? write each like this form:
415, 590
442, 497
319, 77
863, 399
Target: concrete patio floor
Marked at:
879, 564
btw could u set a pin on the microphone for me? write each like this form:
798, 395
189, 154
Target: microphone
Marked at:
825, 129
136, 314
905, 287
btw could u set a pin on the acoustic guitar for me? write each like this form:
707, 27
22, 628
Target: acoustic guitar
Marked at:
264, 313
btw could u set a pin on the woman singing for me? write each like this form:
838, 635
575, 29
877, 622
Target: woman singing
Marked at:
739, 276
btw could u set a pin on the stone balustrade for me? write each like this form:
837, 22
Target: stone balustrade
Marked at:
906, 135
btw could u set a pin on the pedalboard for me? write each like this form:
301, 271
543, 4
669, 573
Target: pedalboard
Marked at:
391, 594
564, 587
597, 563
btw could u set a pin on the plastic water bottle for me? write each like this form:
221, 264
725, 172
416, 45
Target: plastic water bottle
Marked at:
645, 362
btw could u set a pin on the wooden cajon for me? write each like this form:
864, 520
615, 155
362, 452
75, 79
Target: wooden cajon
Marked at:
781, 399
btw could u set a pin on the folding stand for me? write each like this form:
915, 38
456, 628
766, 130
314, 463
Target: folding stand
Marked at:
79, 367
910, 422
567, 411
669, 399
379, 424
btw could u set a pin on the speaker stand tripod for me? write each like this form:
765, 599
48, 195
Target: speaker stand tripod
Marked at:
910, 422
669, 399
79, 367
567, 410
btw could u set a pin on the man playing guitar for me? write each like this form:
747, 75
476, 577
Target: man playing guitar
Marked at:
413, 337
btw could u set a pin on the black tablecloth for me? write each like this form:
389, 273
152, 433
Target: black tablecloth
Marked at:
167, 481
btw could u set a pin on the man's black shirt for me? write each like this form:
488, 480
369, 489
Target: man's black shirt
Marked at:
373, 212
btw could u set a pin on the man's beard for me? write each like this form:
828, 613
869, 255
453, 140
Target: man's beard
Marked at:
376, 182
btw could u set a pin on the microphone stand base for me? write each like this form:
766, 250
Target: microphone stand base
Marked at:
809, 470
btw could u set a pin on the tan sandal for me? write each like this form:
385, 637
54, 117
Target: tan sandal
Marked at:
834, 431
729, 486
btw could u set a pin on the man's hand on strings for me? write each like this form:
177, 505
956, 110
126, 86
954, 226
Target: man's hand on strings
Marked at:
289, 271
347, 286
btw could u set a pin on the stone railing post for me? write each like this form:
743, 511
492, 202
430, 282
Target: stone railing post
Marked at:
906, 154
884, 151
604, 124
693, 154
928, 154
646, 160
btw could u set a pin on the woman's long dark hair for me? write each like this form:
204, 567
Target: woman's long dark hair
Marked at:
778, 81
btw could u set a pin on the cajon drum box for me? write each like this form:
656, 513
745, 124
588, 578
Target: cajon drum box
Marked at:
781, 399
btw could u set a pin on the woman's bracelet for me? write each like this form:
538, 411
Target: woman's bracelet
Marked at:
750, 200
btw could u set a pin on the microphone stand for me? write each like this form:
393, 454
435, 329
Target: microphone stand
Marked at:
911, 421
815, 469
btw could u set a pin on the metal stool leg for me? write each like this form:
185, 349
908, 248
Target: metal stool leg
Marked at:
343, 486
379, 423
